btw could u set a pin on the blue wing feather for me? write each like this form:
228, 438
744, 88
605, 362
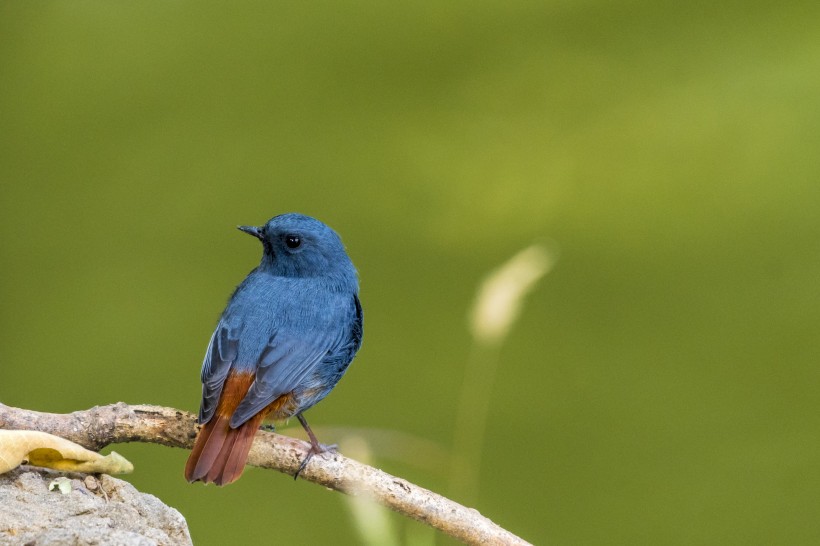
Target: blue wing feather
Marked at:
220, 356
290, 364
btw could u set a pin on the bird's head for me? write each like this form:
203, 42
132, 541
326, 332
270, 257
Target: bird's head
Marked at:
296, 245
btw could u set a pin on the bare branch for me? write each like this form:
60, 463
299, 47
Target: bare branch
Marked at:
100, 426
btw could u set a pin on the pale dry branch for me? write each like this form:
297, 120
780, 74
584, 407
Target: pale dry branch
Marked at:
100, 426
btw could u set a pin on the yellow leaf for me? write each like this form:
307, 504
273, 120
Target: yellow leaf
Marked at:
42, 449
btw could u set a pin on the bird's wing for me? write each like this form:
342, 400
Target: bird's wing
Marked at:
339, 359
220, 356
284, 364
288, 361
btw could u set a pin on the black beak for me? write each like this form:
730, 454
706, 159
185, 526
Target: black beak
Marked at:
251, 230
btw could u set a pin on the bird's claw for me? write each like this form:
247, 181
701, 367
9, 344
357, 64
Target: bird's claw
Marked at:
316, 449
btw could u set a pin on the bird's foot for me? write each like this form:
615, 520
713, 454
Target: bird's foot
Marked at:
315, 449
315, 446
268, 427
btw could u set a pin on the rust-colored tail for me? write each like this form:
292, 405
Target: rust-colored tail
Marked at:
220, 451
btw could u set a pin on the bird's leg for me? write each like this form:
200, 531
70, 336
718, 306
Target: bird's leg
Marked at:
315, 446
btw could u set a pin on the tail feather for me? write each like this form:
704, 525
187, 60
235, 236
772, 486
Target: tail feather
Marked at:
220, 452
209, 442
216, 468
206, 449
217, 440
196, 453
238, 454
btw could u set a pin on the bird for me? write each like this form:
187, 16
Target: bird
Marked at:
285, 339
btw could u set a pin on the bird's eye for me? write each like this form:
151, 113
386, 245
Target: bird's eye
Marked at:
293, 241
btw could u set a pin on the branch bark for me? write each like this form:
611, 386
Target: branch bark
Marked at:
100, 426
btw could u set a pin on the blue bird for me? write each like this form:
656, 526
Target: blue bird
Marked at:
286, 337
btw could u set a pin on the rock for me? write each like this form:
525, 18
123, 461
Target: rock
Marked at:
104, 511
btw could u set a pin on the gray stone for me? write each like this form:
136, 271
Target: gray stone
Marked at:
107, 511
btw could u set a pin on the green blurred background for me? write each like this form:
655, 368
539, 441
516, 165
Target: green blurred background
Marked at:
661, 385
